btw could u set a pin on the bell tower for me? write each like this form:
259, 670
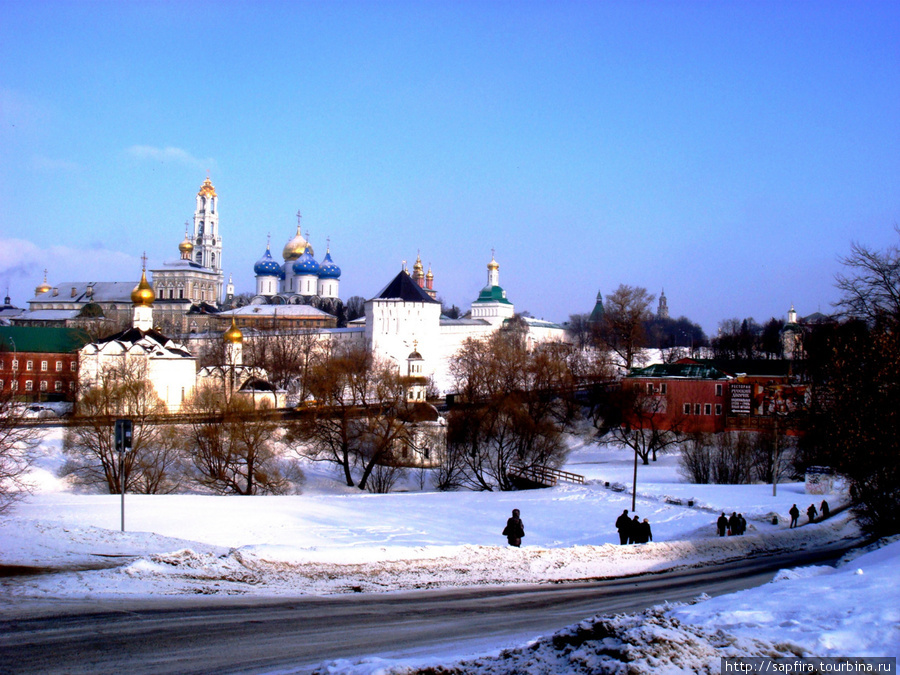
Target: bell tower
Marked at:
207, 242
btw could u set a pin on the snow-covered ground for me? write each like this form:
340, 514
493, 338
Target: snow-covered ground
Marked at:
333, 539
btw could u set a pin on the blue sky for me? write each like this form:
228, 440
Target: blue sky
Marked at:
727, 152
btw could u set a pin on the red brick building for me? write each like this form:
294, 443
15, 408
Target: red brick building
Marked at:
689, 397
40, 363
713, 396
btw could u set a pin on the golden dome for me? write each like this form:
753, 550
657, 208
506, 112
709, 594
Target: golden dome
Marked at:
417, 268
295, 247
233, 334
429, 275
186, 246
207, 189
142, 293
44, 287
493, 265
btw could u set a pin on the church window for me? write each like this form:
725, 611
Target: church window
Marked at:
181, 293
171, 293
212, 260
159, 294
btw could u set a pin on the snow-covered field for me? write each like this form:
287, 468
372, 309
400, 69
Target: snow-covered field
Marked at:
333, 539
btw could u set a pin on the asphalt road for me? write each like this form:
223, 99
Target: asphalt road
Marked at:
242, 635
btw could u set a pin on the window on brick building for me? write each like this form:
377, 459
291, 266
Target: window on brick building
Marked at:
718, 408
29, 365
15, 365
29, 385
59, 366
687, 408
707, 409
718, 390
72, 366
697, 408
663, 388
43, 366
57, 386
649, 387
43, 385
14, 385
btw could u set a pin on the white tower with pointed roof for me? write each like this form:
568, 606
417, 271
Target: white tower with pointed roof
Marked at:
207, 250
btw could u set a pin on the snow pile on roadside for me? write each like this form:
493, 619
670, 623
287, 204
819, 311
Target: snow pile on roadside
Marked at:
817, 611
292, 571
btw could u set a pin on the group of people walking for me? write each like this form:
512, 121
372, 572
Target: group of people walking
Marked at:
633, 530
811, 513
736, 524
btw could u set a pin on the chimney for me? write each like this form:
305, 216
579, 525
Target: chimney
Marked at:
73, 291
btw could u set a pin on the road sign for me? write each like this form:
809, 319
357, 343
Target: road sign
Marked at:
123, 435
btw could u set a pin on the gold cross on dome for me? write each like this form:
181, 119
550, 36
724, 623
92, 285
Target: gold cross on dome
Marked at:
144, 261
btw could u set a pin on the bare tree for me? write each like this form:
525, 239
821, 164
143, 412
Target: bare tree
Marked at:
18, 439
622, 329
231, 445
511, 412
152, 465
871, 286
287, 357
331, 430
643, 424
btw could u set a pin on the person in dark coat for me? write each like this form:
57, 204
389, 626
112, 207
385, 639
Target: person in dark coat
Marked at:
825, 510
634, 531
646, 534
811, 512
733, 524
623, 525
795, 515
722, 525
742, 524
514, 530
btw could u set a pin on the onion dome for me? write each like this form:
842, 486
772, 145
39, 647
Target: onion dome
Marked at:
493, 265
186, 247
267, 267
306, 264
418, 270
142, 293
44, 287
328, 270
207, 189
233, 335
430, 275
295, 247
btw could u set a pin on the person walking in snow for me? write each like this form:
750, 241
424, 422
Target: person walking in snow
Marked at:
811, 512
634, 531
646, 534
722, 525
795, 515
733, 524
623, 525
514, 530
825, 510
742, 524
